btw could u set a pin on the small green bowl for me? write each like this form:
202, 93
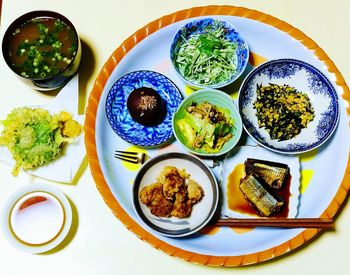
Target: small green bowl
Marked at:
217, 98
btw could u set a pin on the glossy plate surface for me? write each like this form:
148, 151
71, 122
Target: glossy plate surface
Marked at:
304, 78
323, 188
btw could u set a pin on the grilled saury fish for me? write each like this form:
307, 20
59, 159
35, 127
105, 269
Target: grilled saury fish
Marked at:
273, 174
265, 202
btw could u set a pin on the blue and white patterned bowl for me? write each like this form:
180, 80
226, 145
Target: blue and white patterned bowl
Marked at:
199, 26
119, 116
305, 78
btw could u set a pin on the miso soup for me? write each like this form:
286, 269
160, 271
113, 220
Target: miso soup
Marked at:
42, 47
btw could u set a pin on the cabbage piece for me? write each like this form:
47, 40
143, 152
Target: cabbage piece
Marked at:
187, 130
209, 130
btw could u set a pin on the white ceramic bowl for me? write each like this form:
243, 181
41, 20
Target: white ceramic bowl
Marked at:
202, 211
28, 240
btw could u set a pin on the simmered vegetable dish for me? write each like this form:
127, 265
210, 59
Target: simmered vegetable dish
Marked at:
206, 126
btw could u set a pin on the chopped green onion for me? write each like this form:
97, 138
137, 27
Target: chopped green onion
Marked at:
40, 53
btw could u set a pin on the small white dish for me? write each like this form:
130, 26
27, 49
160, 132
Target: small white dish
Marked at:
36, 218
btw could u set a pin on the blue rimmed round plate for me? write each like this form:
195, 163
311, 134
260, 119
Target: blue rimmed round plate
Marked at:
304, 78
119, 116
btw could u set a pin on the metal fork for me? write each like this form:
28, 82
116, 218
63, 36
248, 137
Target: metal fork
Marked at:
132, 157
140, 158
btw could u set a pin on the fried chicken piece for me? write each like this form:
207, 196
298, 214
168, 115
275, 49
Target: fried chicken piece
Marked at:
182, 206
172, 181
194, 191
184, 199
183, 174
152, 196
173, 194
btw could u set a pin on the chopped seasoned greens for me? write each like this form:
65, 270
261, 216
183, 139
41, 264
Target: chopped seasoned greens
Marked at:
282, 110
34, 137
207, 58
206, 126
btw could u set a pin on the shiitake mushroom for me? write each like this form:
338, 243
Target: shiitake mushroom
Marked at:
146, 106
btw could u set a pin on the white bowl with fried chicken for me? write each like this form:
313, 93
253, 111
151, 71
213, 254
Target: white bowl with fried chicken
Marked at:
175, 194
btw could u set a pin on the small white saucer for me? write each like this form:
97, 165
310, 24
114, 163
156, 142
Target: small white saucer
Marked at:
16, 198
